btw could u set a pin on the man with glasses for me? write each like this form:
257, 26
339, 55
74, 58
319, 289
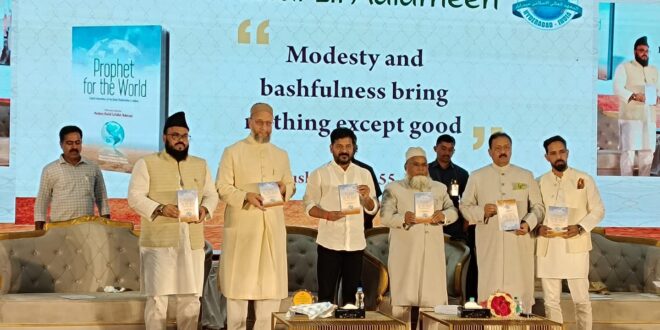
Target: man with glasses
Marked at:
165, 190
253, 265
494, 194
71, 185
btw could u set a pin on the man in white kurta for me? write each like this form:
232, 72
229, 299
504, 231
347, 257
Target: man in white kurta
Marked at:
633, 80
416, 261
171, 250
505, 259
340, 237
253, 265
566, 255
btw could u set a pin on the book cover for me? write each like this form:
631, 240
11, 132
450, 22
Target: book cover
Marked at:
424, 205
271, 194
349, 199
507, 215
557, 219
119, 92
188, 204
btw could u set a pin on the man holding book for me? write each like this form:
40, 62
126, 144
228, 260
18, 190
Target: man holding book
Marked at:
416, 208
504, 201
254, 179
173, 193
572, 208
339, 193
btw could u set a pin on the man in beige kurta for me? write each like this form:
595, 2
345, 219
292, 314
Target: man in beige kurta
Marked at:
416, 261
253, 265
171, 248
637, 111
505, 259
566, 255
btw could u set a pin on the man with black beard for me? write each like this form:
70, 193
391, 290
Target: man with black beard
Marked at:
340, 237
417, 245
638, 88
171, 246
564, 254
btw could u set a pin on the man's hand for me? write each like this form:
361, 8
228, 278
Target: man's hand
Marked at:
544, 231
334, 215
171, 211
255, 200
639, 97
409, 218
489, 210
365, 200
282, 187
39, 225
524, 229
573, 230
438, 217
202, 214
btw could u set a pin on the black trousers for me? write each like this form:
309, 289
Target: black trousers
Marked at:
331, 266
472, 280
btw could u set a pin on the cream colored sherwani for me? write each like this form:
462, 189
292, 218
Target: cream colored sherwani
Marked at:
416, 261
253, 265
568, 258
637, 121
505, 260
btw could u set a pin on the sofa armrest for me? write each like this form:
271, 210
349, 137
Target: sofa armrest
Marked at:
375, 281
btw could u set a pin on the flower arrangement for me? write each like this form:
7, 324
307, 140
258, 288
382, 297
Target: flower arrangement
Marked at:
501, 304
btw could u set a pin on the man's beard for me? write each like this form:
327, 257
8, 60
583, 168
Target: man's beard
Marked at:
560, 167
179, 155
260, 138
643, 62
419, 182
339, 161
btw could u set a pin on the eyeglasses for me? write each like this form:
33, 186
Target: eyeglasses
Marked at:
179, 137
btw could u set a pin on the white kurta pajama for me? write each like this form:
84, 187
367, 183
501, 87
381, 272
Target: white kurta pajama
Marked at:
560, 258
416, 262
637, 121
175, 268
505, 260
253, 265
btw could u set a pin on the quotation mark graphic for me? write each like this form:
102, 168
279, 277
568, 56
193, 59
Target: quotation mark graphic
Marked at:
478, 133
262, 36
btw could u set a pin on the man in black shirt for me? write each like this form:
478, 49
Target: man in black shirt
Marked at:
455, 178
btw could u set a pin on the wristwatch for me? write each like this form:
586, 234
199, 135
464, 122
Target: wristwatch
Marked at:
159, 209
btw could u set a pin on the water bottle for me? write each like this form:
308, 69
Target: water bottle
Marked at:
519, 306
359, 298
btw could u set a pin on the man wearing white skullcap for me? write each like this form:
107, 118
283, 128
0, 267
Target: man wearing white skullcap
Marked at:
416, 261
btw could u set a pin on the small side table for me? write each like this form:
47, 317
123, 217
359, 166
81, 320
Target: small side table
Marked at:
432, 320
372, 321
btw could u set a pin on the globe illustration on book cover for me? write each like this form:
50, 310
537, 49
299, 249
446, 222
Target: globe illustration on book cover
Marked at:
113, 133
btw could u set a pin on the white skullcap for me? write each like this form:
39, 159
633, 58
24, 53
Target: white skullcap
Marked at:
414, 152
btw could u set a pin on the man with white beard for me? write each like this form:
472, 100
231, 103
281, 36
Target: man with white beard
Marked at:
417, 248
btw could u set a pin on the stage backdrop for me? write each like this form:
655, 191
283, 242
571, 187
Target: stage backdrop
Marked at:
399, 73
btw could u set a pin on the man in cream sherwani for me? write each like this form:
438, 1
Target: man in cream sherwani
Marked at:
171, 250
566, 255
416, 261
637, 111
253, 265
505, 259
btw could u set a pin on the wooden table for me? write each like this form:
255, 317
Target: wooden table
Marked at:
372, 321
432, 320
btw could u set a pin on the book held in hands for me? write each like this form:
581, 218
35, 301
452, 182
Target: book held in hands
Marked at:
507, 215
271, 194
424, 205
188, 204
349, 199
